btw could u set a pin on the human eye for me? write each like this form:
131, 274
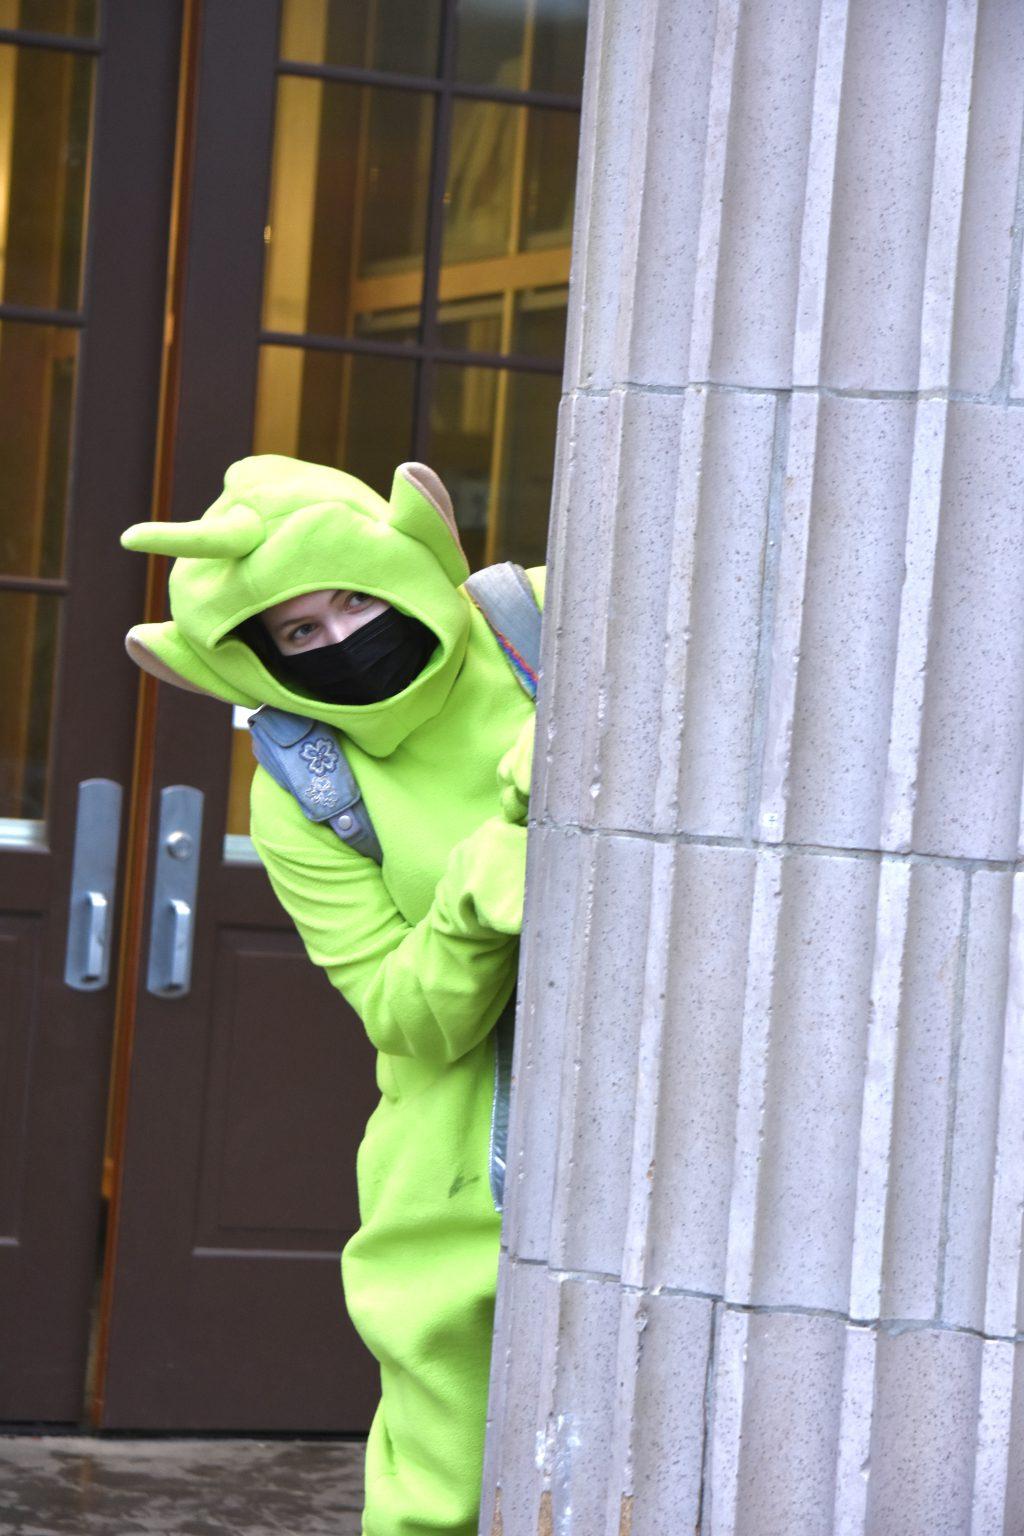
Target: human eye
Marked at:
300, 632
358, 600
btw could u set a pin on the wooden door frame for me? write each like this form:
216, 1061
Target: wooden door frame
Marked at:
160, 1148
208, 400
115, 412
141, 784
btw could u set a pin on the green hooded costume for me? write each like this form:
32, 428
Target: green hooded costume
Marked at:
423, 947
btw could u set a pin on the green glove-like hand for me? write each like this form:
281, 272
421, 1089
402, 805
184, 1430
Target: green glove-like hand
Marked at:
514, 772
486, 876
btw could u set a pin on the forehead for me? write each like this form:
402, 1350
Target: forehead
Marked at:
298, 607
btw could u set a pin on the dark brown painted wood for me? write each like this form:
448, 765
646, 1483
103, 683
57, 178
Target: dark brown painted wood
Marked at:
55, 1043
238, 1108
247, 1098
143, 767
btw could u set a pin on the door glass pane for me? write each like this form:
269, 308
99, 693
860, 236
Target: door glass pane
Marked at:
67, 18
238, 848
549, 180
28, 645
348, 202
524, 486
472, 325
493, 444
530, 321
522, 44
481, 205
397, 35
336, 408
511, 178
538, 325
45, 113
37, 385
508, 227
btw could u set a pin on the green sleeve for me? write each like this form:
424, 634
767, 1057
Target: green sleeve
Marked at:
431, 989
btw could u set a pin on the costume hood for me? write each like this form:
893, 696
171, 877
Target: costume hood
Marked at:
283, 527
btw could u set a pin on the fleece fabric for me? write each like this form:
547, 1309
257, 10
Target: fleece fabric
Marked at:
424, 947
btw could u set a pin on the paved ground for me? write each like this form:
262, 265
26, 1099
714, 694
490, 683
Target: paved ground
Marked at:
83, 1486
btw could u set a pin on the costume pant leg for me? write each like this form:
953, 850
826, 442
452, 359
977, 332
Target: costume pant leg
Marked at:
420, 1279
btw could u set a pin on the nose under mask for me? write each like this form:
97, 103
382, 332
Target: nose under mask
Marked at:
375, 663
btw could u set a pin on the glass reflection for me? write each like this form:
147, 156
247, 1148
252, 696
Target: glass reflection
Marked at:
336, 408
472, 325
45, 113
522, 44
511, 178
348, 205
243, 766
508, 225
28, 644
397, 35
37, 386
66, 18
493, 442
531, 417
538, 326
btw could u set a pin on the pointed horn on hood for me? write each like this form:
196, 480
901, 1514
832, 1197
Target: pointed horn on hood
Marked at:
164, 653
230, 536
421, 507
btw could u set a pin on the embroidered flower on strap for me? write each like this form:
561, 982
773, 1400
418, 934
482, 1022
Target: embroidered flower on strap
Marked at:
320, 791
320, 756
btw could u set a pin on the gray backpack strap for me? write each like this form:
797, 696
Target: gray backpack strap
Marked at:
504, 1039
505, 598
304, 757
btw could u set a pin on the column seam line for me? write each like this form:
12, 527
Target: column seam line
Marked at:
968, 863
1002, 389
766, 622
956, 1033
892, 1327
993, 397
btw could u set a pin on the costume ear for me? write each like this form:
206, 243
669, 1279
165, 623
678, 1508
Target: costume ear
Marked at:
421, 507
162, 652
230, 535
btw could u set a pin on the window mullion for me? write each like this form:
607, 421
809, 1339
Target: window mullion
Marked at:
435, 228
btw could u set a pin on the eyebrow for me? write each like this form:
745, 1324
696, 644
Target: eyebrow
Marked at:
304, 618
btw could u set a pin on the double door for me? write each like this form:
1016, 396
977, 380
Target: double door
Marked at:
177, 1147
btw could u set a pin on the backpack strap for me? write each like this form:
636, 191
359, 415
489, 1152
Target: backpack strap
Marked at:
304, 757
505, 598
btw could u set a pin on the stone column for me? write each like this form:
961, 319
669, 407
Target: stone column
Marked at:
763, 1264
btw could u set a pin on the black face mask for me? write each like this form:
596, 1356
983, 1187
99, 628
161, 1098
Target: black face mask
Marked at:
373, 664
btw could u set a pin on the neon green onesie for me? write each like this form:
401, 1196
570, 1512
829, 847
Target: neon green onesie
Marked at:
423, 947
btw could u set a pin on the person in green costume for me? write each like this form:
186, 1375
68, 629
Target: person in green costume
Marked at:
424, 947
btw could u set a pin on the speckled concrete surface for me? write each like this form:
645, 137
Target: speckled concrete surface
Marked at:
83, 1486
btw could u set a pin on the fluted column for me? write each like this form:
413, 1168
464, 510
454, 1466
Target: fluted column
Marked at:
763, 1267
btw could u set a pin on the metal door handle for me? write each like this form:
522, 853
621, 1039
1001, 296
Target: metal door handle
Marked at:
98, 918
93, 882
172, 930
181, 943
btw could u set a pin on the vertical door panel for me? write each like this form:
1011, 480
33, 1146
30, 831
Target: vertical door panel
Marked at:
247, 1097
78, 402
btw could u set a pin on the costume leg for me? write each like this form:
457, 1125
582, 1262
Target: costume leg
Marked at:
420, 1278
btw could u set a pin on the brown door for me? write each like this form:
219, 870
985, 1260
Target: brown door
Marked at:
373, 225
247, 1095
368, 209
87, 113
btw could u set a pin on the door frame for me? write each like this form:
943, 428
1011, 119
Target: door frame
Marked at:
149, 1291
141, 782
52, 1259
